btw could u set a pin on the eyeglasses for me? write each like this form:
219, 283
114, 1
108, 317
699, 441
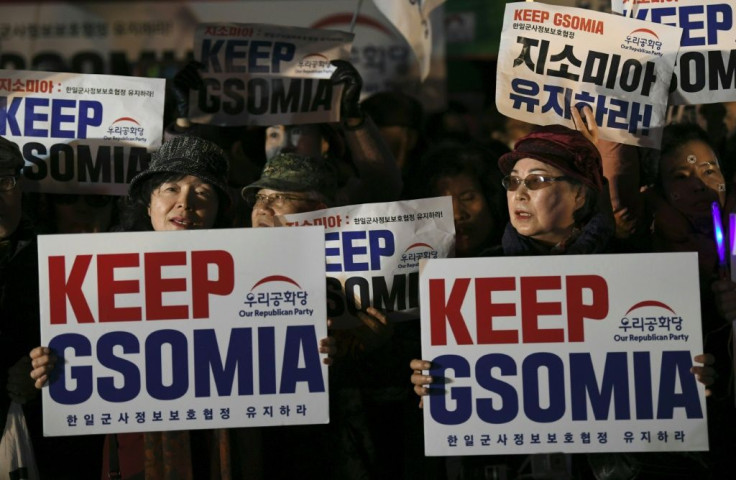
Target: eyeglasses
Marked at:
94, 201
7, 183
277, 200
532, 182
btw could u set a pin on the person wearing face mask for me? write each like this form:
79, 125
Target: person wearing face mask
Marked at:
184, 188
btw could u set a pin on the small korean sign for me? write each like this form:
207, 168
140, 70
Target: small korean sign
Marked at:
553, 58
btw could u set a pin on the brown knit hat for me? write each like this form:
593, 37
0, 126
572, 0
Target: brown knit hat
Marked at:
561, 147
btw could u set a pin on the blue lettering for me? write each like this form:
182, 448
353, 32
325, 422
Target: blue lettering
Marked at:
131, 376
382, 244
179, 365
676, 365
81, 374
643, 386
207, 359
256, 53
332, 251
301, 338
689, 25
7, 116
266, 360
615, 381
57, 118
555, 372
463, 396
90, 115
509, 398
32, 117
350, 250
715, 25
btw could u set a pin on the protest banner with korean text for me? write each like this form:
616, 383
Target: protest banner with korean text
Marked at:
183, 330
575, 353
81, 133
373, 251
553, 58
706, 64
257, 74
147, 38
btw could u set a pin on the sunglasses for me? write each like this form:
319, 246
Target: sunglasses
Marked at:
531, 182
95, 201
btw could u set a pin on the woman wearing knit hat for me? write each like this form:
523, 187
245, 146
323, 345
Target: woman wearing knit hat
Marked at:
184, 188
558, 204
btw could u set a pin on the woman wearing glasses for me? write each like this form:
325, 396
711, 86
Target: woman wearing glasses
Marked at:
290, 183
555, 190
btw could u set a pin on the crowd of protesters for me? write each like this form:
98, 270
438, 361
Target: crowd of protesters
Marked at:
516, 190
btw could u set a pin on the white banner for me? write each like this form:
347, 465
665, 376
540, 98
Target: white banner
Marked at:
411, 18
594, 357
373, 252
706, 64
552, 58
156, 38
257, 74
81, 133
183, 330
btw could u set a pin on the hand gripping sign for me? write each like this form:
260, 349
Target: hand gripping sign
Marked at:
553, 58
705, 71
256, 74
183, 330
81, 133
373, 251
562, 354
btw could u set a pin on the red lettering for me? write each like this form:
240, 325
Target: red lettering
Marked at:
577, 311
108, 287
156, 286
439, 310
533, 309
61, 288
202, 286
485, 310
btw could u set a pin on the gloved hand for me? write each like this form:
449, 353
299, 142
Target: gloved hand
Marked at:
347, 74
186, 79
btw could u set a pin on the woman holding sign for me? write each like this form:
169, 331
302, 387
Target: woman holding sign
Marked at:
557, 204
184, 188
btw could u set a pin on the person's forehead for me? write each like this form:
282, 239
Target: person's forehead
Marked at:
532, 164
268, 191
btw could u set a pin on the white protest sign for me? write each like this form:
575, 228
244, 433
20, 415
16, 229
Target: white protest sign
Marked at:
373, 252
155, 38
256, 74
411, 18
706, 65
578, 353
183, 330
81, 133
552, 58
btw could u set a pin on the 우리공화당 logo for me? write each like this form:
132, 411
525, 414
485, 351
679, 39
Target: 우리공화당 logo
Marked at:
275, 296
